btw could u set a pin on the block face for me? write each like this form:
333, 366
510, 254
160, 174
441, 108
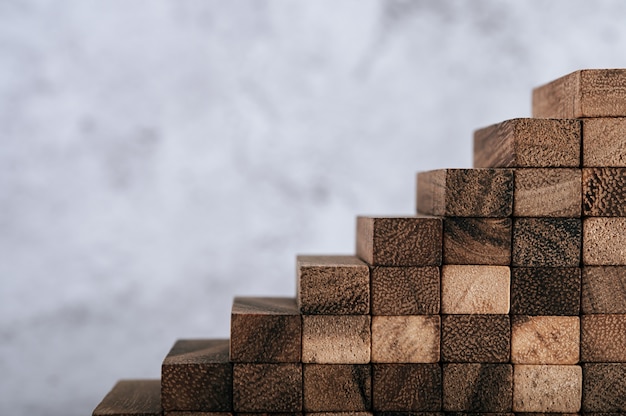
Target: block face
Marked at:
603, 338
265, 330
405, 339
604, 242
603, 290
604, 388
545, 291
475, 289
267, 387
337, 388
546, 242
603, 192
477, 241
338, 339
475, 338
484, 388
547, 193
604, 143
132, 397
547, 388
333, 285
406, 387
545, 339
401, 241
405, 290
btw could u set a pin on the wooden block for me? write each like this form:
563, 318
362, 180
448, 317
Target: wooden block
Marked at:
585, 93
265, 330
337, 387
603, 289
545, 291
401, 241
545, 339
132, 397
267, 387
340, 414
336, 339
528, 143
477, 241
188, 413
547, 193
604, 242
412, 414
604, 388
196, 375
547, 388
405, 290
546, 242
465, 192
484, 388
475, 338
333, 285
406, 339
406, 387
475, 289
604, 142
603, 192
603, 338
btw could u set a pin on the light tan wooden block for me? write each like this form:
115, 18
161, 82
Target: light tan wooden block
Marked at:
475, 289
545, 339
547, 193
603, 338
604, 241
336, 339
406, 339
604, 142
547, 388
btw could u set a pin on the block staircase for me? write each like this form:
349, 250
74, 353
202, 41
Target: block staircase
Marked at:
505, 294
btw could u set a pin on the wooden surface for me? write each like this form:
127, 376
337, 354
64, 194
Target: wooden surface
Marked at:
333, 285
400, 241
406, 339
547, 388
465, 192
603, 289
406, 387
405, 290
545, 290
267, 387
604, 192
605, 142
196, 375
475, 338
336, 339
604, 242
546, 242
547, 193
528, 143
131, 397
484, 388
475, 289
545, 339
477, 240
337, 387
604, 388
265, 330
603, 338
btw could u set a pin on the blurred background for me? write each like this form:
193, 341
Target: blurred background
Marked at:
159, 157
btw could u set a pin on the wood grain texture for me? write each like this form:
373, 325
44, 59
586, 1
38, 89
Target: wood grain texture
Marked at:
465, 192
336, 339
191, 413
265, 330
604, 242
603, 290
400, 241
196, 375
339, 414
547, 388
603, 338
406, 339
475, 338
604, 388
545, 290
477, 241
337, 388
131, 398
546, 242
406, 387
584, 93
604, 193
475, 289
333, 285
405, 290
484, 388
547, 193
528, 143
604, 143
545, 339
267, 387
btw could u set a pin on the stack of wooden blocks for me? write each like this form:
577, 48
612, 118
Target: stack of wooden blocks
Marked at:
506, 293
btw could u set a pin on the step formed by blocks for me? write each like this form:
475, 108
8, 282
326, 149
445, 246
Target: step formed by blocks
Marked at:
475, 289
406, 387
336, 339
405, 290
545, 290
603, 289
604, 193
406, 339
545, 339
337, 387
484, 388
546, 242
132, 397
604, 241
547, 388
267, 387
605, 142
547, 193
604, 388
603, 338
475, 338
477, 241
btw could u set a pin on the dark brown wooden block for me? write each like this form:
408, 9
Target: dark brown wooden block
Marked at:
130, 398
406, 339
267, 387
405, 290
484, 388
546, 242
187, 413
401, 241
333, 285
467, 289
604, 192
475, 338
528, 143
547, 388
465, 192
336, 339
412, 414
603, 289
604, 388
337, 388
406, 387
196, 375
265, 330
339, 414
545, 339
584, 93
604, 142
545, 291
547, 192
604, 240
477, 241
603, 338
